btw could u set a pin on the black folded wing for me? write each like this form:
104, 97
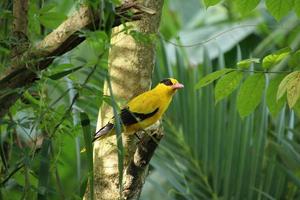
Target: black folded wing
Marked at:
129, 118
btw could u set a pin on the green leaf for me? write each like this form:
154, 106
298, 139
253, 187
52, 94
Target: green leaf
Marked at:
297, 7
85, 124
118, 128
227, 84
44, 170
279, 8
273, 104
98, 40
52, 19
284, 84
245, 64
293, 90
48, 7
246, 6
212, 77
294, 61
62, 74
211, 2
250, 94
274, 58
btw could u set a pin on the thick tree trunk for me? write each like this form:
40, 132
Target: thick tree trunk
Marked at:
130, 67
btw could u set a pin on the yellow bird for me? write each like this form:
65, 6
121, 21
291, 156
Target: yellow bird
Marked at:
143, 110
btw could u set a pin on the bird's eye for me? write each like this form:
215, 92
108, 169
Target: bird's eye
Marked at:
167, 82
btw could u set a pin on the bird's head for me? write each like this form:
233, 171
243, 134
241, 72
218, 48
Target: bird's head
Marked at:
169, 85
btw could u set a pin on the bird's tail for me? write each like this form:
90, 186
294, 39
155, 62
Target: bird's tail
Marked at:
105, 130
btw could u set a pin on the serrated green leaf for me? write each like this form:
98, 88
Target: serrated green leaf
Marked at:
52, 19
211, 2
62, 74
246, 6
284, 83
273, 104
227, 84
274, 58
250, 94
212, 77
293, 90
297, 7
294, 61
279, 8
245, 64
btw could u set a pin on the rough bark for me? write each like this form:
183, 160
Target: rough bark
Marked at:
137, 169
20, 26
130, 67
24, 68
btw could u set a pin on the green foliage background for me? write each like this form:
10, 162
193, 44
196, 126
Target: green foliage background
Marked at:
227, 134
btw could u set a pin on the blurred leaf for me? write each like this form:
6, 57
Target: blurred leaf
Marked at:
294, 61
293, 90
297, 7
52, 19
245, 64
118, 131
246, 6
227, 84
271, 60
98, 40
83, 185
284, 83
216, 37
212, 77
50, 6
170, 26
273, 103
6, 14
211, 2
62, 74
33, 20
250, 94
293, 176
287, 154
4, 50
63, 66
31, 99
44, 170
279, 8
85, 124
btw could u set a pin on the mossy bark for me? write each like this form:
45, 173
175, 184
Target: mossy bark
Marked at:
130, 68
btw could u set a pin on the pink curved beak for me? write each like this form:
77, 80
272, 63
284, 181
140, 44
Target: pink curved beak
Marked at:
177, 86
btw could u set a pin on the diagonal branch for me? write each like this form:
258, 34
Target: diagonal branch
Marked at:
137, 169
23, 69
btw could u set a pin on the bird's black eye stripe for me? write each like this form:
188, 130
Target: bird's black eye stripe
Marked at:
166, 82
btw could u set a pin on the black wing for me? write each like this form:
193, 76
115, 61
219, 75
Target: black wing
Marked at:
129, 118
103, 131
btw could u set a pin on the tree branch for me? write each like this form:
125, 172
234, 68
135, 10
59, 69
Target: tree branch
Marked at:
20, 22
20, 26
23, 70
137, 169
